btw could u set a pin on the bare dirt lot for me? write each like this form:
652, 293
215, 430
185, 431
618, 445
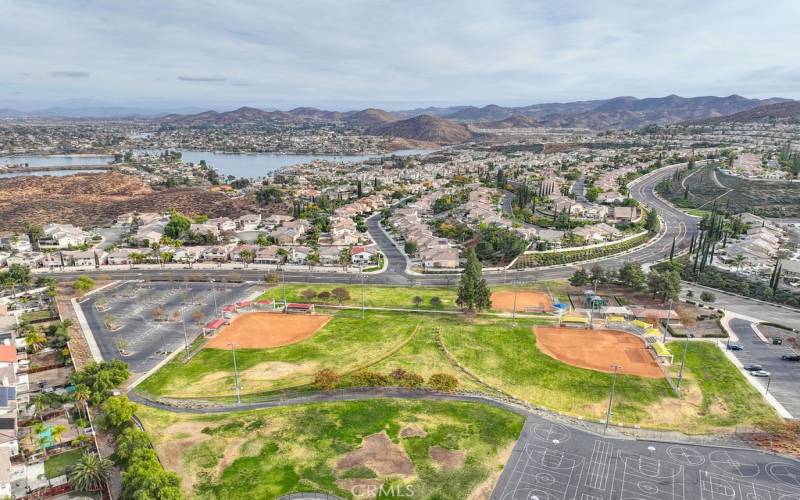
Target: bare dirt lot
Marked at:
597, 350
527, 301
263, 330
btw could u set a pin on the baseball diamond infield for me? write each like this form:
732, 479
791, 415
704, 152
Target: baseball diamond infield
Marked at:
262, 330
597, 350
527, 301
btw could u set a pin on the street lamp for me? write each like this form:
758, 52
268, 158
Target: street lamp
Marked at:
235, 373
185, 335
611, 398
769, 379
514, 308
363, 297
214, 294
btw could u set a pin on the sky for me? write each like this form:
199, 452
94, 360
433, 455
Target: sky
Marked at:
394, 54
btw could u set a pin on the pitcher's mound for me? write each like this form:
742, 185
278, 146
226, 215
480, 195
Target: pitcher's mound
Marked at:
597, 350
262, 330
527, 301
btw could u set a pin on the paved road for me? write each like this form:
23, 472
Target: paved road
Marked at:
554, 462
764, 311
783, 383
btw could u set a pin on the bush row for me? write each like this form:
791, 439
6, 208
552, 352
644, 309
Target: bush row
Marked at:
328, 379
579, 254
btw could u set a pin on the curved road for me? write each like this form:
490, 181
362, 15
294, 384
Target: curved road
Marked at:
677, 224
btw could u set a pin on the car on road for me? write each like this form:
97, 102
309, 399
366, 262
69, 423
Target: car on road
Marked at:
791, 357
760, 373
753, 368
735, 347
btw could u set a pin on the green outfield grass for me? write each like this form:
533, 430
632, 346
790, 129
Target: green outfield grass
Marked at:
374, 296
346, 342
268, 453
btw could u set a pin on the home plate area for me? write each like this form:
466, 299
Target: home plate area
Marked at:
550, 462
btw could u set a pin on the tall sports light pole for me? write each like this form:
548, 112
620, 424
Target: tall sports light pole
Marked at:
769, 379
683, 360
514, 308
283, 280
611, 398
185, 335
363, 296
214, 294
235, 373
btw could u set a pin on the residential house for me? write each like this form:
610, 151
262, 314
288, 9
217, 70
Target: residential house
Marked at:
215, 254
62, 236
361, 255
440, 258
249, 222
268, 255
223, 223
625, 214
15, 242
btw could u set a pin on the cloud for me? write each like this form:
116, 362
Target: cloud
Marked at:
69, 74
199, 78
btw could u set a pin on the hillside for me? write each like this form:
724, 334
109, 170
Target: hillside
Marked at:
369, 117
785, 112
514, 121
238, 116
426, 128
92, 199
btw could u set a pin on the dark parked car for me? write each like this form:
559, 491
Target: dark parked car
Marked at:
734, 347
791, 357
753, 368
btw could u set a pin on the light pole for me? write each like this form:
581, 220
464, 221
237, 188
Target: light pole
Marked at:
669, 315
611, 397
363, 296
185, 335
769, 379
214, 294
283, 282
235, 373
683, 360
514, 307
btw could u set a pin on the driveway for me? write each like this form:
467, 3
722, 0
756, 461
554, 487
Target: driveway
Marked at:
785, 382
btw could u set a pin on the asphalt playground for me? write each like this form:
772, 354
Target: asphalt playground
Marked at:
132, 304
554, 462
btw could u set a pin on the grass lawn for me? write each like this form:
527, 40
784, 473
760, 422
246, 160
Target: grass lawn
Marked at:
698, 212
268, 453
374, 296
57, 465
37, 315
728, 399
346, 342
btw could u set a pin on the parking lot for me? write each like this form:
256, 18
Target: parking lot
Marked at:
785, 375
146, 320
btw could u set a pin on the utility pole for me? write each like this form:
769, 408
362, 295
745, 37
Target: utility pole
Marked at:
611, 398
235, 373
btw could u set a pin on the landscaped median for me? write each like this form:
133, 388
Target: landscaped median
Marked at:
570, 255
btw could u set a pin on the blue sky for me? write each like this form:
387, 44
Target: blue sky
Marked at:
392, 54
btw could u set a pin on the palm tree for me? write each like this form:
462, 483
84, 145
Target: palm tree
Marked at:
739, 260
40, 403
90, 472
247, 256
57, 431
82, 395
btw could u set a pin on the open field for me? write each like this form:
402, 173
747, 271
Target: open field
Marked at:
597, 350
374, 296
504, 356
263, 330
437, 449
522, 301
344, 343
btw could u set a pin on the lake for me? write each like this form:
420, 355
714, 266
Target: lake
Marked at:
261, 164
57, 173
238, 165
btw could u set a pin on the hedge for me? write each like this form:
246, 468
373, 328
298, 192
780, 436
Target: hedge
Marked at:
579, 254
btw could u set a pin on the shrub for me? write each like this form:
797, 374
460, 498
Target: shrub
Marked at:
368, 378
435, 302
324, 296
340, 294
442, 382
327, 379
308, 294
708, 297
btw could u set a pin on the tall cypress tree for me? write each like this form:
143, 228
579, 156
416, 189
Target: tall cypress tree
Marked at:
672, 250
473, 291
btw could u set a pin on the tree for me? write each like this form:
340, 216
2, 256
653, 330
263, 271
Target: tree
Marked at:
579, 278
632, 276
435, 302
146, 479
473, 292
178, 226
738, 260
417, 300
651, 223
35, 340
90, 472
442, 382
262, 240
267, 195
410, 247
81, 396
101, 378
247, 256
308, 294
598, 273
128, 443
83, 284
117, 412
708, 297
327, 379
35, 233
340, 294
345, 254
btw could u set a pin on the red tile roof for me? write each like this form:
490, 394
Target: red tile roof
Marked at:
8, 354
213, 325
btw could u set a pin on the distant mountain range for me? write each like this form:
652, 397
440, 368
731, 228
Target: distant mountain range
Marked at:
457, 123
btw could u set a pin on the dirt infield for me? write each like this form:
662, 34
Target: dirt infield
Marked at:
527, 301
262, 330
597, 350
